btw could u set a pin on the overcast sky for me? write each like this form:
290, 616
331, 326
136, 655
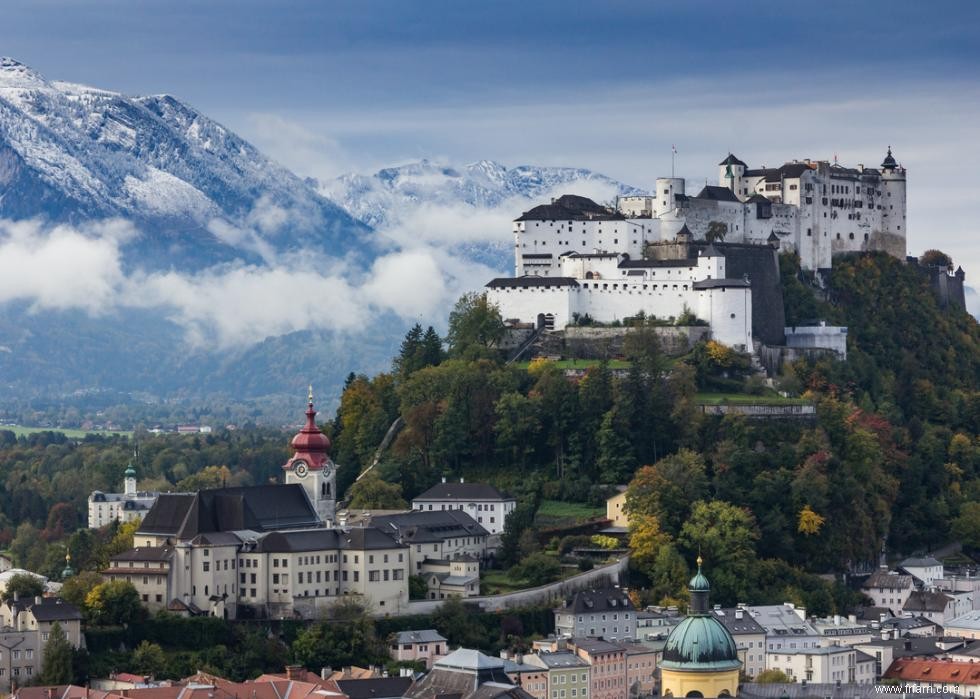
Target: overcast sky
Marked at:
327, 87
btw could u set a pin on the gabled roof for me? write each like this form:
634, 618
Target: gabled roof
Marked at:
423, 636
376, 687
592, 601
890, 581
259, 508
934, 671
353, 539
570, 207
716, 193
925, 562
927, 602
462, 491
49, 609
729, 617
418, 526
146, 553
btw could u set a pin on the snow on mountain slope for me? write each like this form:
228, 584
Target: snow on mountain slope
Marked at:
73, 153
386, 197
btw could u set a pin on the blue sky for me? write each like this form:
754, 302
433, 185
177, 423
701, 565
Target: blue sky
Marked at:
328, 87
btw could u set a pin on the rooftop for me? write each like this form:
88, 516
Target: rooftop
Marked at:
592, 601
463, 491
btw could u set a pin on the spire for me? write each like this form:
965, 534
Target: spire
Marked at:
68, 571
699, 589
310, 444
889, 162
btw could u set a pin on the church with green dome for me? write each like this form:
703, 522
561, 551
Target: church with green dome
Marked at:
700, 658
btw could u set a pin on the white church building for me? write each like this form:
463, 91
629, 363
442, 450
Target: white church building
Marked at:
104, 508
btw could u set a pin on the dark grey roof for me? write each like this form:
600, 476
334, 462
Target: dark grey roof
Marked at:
259, 508
466, 674
757, 199
50, 609
609, 599
561, 659
910, 646
925, 562
746, 625
375, 688
530, 281
777, 174
354, 539
537, 255
720, 283
711, 251
462, 491
650, 264
595, 646
420, 526
926, 602
716, 193
423, 636
591, 255
570, 207
732, 160
145, 553
905, 623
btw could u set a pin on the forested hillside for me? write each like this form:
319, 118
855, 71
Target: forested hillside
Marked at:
892, 455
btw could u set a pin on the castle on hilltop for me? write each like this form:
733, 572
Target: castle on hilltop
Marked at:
711, 257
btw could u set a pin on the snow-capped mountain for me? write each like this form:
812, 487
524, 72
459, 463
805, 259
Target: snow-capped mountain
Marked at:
384, 198
199, 193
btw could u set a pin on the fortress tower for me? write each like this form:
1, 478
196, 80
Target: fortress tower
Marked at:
894, 233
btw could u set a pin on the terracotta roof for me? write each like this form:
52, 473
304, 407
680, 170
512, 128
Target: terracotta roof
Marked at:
935, 671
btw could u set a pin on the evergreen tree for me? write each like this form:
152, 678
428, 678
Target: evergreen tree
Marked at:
431, 350
409, 355
58, 657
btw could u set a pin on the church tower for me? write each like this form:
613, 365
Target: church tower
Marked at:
312, 468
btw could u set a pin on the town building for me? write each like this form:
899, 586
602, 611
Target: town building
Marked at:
25, 628
454, 577
927, 569
427, 645
842, 630
641, 669
889, 590
929, 674
656, 623
566, 675
749, 636
616, 509
105, 508
607, 613
264, 550
825, 665
786, 627
938, 607
700, 658
485, 504
439, 535
608, 662
467, 674
966, 625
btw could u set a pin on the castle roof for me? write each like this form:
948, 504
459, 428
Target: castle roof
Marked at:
716, 193
889, 161
462, 491
570, 207
530, 281
731, 160
721, 284
355, 539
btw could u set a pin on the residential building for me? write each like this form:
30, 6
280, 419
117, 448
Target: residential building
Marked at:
608, 662
938, 607
427, 645
616, 509
641, 669
825, 665
652, 625
566, 675
456, 577
929, 674
787, 628
842, 630
889, 590
485, 504
467, 674
439, 535
25, 628
909, 626
607, 613
886, 650
533, 679
927, 569
148, 569
966, 625
749, 636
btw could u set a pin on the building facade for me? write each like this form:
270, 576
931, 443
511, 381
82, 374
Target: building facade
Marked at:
485, 504
105, 508
427, 646
25, 628
608, 614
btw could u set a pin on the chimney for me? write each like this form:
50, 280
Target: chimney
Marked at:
738, 613
325, 672
294, 673
38, 600
461, 479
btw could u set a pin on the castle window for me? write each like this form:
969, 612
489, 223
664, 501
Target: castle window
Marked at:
733, 315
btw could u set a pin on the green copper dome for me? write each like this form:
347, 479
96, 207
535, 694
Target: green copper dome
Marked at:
130, 471
700, 643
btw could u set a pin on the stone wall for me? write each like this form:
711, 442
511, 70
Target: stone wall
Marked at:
604, 343
536, 596
763, 411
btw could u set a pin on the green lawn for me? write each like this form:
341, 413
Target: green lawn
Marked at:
70, 433
554, 512
746, 399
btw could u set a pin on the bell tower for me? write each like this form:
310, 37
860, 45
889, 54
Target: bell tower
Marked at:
311, 466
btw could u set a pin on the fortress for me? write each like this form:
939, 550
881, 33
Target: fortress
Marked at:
713, 256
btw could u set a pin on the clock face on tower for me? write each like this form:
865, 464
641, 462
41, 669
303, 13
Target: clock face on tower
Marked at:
300, 468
